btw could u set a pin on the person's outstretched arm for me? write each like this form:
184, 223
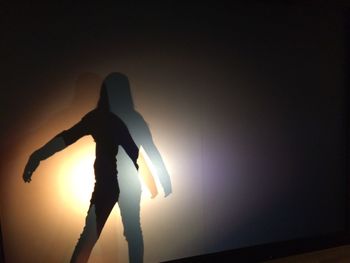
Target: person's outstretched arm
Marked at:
50, 148
56, 144
157, 160
146, 141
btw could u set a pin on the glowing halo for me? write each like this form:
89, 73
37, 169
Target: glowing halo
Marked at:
76, 176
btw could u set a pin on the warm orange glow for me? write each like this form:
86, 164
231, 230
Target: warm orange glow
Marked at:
76, 177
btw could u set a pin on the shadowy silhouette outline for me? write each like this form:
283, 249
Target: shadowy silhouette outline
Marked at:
109, 131
121, 103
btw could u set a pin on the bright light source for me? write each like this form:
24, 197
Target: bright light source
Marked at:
76, 176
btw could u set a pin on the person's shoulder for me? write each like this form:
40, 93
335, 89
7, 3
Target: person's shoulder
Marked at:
139, 121
90, 115
135, 118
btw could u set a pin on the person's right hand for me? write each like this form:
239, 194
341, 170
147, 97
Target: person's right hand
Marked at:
31, 165
167, 191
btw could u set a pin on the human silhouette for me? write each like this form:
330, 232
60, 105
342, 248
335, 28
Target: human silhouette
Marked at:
108, 132
121, 103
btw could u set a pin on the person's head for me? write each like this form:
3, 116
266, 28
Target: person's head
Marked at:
115, 94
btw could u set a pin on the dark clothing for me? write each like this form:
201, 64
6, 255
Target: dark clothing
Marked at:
108, 131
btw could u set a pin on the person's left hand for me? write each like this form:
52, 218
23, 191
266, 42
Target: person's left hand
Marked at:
31, 166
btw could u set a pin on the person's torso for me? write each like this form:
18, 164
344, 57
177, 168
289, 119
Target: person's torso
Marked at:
106, 130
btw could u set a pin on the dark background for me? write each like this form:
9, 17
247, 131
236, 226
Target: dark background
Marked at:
270, 84
41, 42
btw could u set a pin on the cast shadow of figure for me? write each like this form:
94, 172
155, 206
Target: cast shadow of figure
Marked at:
112, 123
121, 103
86, 89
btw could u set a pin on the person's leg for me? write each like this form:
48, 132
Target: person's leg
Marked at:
87, 238
95, 220
130, 213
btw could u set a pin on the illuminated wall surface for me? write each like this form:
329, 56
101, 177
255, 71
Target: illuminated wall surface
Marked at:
246, 107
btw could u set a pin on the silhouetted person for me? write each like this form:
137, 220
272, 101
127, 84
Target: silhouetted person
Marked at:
121, 103
108, 131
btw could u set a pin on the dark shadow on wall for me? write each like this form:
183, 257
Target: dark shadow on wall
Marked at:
109, 131
121, 103
86, 89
